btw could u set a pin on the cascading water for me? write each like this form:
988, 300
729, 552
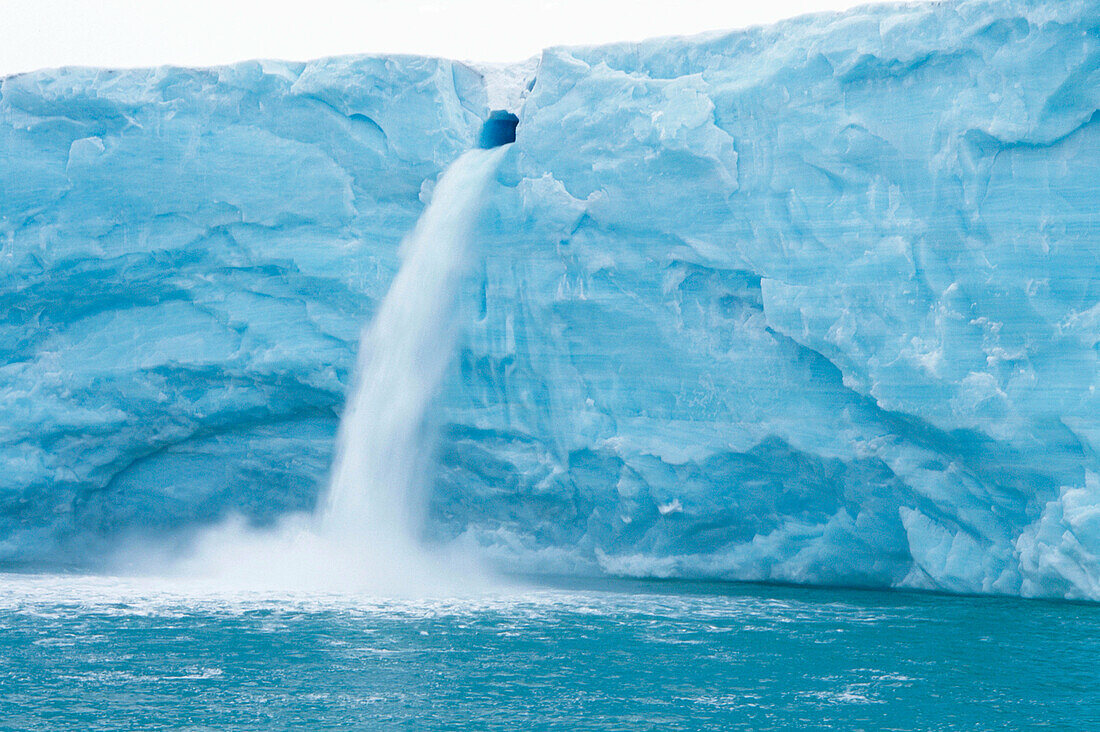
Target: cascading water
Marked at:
362, 536
402, 359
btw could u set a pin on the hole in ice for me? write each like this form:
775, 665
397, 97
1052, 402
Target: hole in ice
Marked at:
499, 129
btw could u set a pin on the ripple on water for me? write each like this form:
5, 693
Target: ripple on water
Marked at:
170, 654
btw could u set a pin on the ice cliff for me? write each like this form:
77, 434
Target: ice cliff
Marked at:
817, 302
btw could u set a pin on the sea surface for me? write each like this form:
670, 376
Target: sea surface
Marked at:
87, 653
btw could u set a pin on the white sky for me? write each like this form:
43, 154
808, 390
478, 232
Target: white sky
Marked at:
45, 33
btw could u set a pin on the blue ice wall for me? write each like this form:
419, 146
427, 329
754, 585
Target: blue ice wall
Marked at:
817, 302
186, 259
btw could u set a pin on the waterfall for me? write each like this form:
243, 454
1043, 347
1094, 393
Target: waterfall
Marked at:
403, 355
362, 537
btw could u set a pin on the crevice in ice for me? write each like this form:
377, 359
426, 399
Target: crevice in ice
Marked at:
507, 85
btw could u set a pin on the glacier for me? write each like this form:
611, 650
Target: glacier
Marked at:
816, 302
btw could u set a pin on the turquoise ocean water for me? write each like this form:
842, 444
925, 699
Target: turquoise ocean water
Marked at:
79, 653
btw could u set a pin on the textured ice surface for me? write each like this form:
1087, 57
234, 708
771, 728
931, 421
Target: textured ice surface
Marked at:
188, 257
817, 302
